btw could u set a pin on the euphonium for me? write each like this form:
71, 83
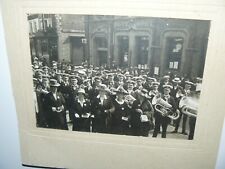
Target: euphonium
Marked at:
189, 106
165, 109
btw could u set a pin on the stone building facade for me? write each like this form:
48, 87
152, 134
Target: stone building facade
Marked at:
43, 36
71, 38
157, 44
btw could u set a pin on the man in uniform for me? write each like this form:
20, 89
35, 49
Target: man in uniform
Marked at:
187, 93
164, 81
148, 84
177, 93
154, 91
163, 119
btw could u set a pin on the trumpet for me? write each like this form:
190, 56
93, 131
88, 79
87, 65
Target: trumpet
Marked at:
189, 106
165, 109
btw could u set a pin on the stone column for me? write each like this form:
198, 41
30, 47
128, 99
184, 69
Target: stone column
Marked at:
132, 49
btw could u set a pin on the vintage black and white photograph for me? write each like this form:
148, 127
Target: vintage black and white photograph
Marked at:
123, 75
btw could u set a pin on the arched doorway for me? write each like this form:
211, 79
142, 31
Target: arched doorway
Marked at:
174, 44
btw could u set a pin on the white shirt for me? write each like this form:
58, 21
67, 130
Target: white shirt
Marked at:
119, 102
102, 98
54, 95
81, 102
187, 92
167, 97
35, 102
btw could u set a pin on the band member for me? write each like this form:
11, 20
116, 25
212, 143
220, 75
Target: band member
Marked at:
129, 99
38, 75
142, 114
94, 91
192, 119
139, 84
110, 79
41, 97
176, 81
177, 93
162, 119
120, 81
198, 84
36, 104
154, 91
45, 70
65, 90
164, 81
148, 84
54, 66
81, 112
88, 87
102, 109
120, 116
71, 92
73, 87
128, 76
55, 113
130, 87
59, 80
111, 84
187, 93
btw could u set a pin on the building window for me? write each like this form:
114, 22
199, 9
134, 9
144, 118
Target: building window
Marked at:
102, 49
142, 44
174, 52
44, 47
123, 47
35, 27
31, 27
46, 24
101, 42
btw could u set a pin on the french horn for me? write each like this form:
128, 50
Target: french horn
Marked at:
165, 108
189, 106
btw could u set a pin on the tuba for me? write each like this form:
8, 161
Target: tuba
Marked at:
189, 106
165, 108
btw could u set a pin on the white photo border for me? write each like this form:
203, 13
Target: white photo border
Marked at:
36, 142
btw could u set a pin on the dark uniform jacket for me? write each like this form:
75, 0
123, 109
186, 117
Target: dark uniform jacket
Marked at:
171, 101
138, 126
120, 117
82, 121
76, 106
175, 90
102, 113
53, 118
99, 109
146, 108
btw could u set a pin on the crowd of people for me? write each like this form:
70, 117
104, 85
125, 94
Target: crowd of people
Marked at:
115, 101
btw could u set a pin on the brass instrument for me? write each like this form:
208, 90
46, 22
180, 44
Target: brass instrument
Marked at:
189, 106
165, 108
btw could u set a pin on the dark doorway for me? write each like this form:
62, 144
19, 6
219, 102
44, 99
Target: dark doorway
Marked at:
123, 47
102, 58
174, 50
142, 47
102, 50
77, 55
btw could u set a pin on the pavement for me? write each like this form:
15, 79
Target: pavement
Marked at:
177, 135
170, 128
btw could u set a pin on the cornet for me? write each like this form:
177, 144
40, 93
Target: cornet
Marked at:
165, 108
189, 106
